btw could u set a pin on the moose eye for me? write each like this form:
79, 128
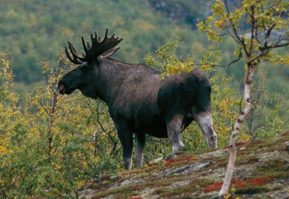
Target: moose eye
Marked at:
85, 68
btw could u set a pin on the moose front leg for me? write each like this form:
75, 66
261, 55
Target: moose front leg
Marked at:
126, 140
174, 126
139, 147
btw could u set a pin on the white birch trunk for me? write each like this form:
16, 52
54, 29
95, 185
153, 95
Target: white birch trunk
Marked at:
238, 125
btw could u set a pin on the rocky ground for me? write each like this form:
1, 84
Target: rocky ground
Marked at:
262, 171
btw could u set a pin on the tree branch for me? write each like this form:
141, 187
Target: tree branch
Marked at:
252, 29
238, 39
102, 128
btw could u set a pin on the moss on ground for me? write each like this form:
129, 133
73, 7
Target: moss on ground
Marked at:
262, 170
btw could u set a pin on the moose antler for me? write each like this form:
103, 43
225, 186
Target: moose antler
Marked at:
93, 50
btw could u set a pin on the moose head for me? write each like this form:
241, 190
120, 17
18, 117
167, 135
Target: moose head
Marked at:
83, 77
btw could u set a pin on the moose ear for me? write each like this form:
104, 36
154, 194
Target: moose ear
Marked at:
108, 53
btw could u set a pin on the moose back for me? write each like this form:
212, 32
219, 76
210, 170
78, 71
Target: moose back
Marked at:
139, 101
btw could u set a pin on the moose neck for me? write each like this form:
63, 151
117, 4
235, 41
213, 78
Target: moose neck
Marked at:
110, 77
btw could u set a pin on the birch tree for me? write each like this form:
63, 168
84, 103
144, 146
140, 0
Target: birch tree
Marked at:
259, 28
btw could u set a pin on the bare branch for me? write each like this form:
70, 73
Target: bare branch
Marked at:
267, 35
44, 108
103, 129
252, 29
238, 39
278, 45
228, 65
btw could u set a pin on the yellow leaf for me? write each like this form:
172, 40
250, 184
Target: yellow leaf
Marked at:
211, 18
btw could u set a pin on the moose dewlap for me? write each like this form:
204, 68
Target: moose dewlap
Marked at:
139, 101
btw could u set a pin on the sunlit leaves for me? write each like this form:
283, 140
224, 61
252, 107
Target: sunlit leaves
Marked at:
218, 10
211, 58
251, 25
50, 148
166, 61
257, 26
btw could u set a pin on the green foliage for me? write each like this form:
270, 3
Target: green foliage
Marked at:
33, 29
268, 116
231, 23
52, 147
258, 28
166, 61
180, 11
262, 19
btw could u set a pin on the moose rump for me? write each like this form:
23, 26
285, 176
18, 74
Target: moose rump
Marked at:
139, 101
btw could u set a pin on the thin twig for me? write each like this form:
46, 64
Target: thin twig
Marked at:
239, 40
102, 128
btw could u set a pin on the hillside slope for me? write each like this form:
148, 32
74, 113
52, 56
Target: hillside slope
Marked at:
262, 171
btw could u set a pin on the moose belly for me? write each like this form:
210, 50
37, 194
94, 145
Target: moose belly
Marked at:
153, 125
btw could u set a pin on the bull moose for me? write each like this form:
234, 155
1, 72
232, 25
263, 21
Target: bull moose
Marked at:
139, 101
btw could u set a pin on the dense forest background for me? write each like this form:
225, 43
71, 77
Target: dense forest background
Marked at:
34, 31
50, 145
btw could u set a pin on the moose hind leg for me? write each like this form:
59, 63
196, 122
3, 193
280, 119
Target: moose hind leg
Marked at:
205, 121
174, 133
139, 147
